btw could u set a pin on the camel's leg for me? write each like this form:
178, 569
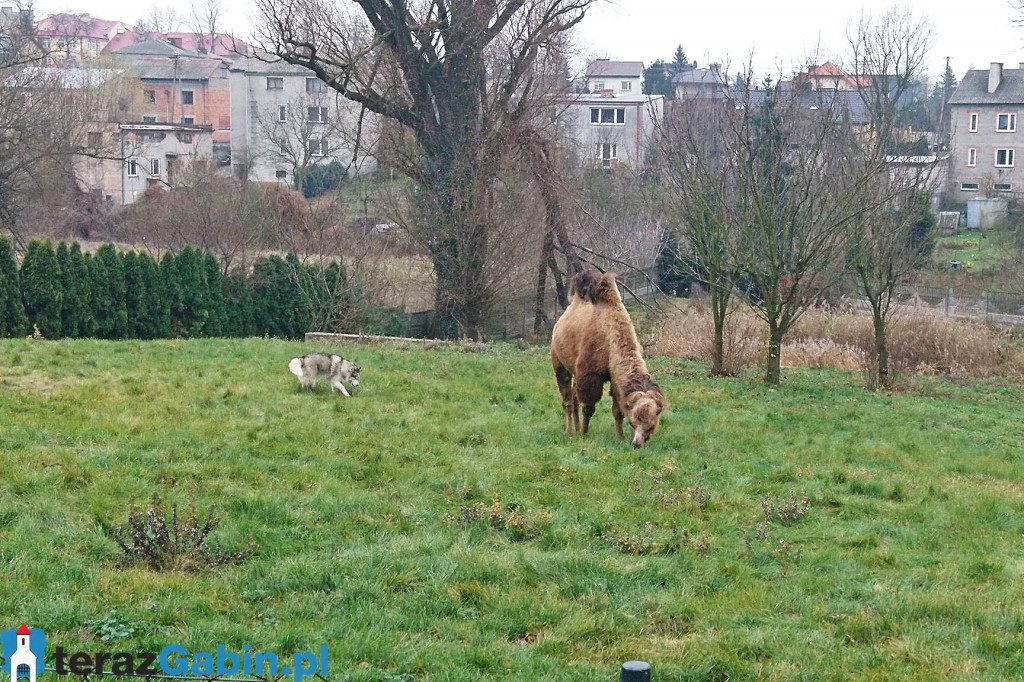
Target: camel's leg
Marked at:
588, 392
617, 413
569, 406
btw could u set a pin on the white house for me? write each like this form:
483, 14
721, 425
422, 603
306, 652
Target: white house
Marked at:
605, 75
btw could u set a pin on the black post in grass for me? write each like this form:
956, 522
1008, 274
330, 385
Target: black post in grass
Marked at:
636, 671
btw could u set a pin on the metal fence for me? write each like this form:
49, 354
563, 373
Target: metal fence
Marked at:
994, 307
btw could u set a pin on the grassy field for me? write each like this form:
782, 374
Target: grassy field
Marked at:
440, 526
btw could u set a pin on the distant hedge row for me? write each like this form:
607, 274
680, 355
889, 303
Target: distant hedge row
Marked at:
65, 293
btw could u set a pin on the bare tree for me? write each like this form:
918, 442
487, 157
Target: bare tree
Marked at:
457, 76
161, 19
204, 18
306, 131
893, 236
702, 193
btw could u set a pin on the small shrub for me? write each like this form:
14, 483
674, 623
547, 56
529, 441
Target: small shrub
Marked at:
786, 511
647, 541
182, 542
521, 525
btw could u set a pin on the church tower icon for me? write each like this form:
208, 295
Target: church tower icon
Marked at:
23, 660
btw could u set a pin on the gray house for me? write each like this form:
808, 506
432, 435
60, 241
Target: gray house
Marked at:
608, 129
286, 120
984, 133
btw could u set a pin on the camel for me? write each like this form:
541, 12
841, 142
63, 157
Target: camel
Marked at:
594, 342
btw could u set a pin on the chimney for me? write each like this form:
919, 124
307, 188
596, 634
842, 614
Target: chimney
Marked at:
995, 76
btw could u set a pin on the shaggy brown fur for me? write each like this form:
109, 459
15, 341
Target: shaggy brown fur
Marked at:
594, 342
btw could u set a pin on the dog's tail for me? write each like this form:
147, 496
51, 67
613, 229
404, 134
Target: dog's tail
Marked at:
295, 367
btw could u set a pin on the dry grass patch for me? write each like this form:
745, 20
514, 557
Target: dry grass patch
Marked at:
834, 339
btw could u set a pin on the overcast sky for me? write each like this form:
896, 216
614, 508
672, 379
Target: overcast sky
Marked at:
781, 34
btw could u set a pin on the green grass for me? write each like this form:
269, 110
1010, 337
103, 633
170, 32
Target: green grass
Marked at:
978, 251
907, 565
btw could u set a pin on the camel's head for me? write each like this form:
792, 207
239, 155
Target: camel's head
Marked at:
643, 409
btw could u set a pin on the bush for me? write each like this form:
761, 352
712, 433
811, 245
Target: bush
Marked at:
315, 180
12, 312
178, 543
41, 292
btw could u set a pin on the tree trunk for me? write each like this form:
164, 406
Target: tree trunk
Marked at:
774, 372
539, 318
719, 309
881, 348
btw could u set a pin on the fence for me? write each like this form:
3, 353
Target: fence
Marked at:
514, 318
992, 307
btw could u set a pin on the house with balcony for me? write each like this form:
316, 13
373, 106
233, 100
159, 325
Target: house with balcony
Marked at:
182, 87
985, 133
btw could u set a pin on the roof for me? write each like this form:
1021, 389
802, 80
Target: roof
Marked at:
72, 78
23, 630
166, 127
849, 102
609, 100
698, 77
156, 48
973, 89
79, 26
605, 68
264, 64
830, 70
168, 68
223, 44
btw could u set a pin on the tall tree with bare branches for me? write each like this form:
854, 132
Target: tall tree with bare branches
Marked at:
458, 76
892, 237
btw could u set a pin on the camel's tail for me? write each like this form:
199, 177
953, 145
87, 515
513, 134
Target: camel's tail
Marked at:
594, 287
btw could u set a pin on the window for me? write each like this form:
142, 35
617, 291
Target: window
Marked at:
968, 187
185, 138
972, 157
175, 41
188, 120
188, 97
95, 139
149, 119
1006, 123
281, 175
974, 122
607, 116
154, 166
598, 86
1002, 187
315, 85
606, 151
316, 114
1004, 158
318, 147
275, 83
149, 96
627, 85
282, 113
133, 168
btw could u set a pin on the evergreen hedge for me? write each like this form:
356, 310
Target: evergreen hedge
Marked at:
114, 295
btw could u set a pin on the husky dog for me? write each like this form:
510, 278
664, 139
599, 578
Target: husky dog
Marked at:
333, 368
